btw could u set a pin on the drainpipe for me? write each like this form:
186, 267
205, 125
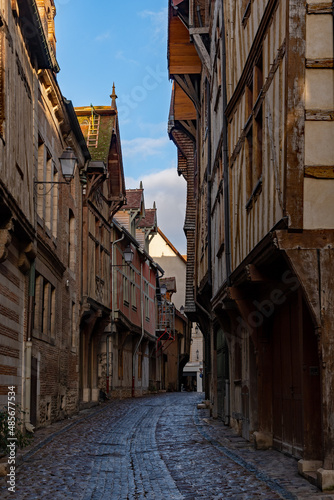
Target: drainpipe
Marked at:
226, 164
113, 300
209, 182
28, 348
142, 330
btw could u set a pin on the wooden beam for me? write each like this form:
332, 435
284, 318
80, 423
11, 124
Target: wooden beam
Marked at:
255, 275
198, 31
320, 8
189, 91
324, 62
295, 114
320, 171
188, 125
319, 114
184, 108
202, 52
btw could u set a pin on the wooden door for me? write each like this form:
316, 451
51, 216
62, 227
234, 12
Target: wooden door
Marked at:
287, 378
33, 392
222, 375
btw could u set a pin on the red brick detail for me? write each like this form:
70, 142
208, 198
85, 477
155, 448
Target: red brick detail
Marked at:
9, 332
8, 370
9, 314
9, 275
8, 351
3, 390
8, 294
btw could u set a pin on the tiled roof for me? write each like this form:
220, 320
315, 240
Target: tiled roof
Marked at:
134, 198
150, 219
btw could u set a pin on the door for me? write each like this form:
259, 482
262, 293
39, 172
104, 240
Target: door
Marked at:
33, 393
287, 378
222, 376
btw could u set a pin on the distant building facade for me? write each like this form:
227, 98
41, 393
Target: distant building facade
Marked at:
134, 368
174, 349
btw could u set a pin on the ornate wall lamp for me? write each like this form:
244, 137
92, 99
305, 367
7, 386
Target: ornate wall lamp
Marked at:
68, 162
128, 257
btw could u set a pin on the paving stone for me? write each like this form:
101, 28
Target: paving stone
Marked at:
158, 447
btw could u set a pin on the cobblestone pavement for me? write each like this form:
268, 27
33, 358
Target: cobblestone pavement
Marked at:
158, 447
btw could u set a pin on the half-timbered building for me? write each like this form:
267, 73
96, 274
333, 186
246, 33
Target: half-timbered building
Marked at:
134, 367
104, 194
263, 176
40, 216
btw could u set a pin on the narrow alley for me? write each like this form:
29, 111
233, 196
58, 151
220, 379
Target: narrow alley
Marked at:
157, 447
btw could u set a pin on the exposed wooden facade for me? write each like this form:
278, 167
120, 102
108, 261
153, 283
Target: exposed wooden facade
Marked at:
103, 195
39, 268
263, 192
133, 365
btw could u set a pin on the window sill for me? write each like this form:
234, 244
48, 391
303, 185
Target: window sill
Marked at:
256, 191
44, 337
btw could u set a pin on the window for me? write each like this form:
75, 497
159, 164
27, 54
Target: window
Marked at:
254, 137
237, 362
47, 194
73, 325
133, 288
125, 283
45, 307
147, 300
120, 364
71, 254
140, 362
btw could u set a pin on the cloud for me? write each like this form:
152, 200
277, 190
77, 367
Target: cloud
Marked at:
143, 146
121, 57
158, 21
168, 190
103, 36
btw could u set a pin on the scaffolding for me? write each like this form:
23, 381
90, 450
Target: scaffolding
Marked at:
165, 325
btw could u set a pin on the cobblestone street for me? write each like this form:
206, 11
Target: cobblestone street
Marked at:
157, 447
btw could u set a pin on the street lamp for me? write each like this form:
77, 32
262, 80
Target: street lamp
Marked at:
163, 289
128, 255
68, 162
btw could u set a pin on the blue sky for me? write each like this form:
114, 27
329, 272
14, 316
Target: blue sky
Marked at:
105, 41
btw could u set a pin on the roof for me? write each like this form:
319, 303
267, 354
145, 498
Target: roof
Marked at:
164, 237
150, 219
32, 30
107, 125
170, 283
134, 199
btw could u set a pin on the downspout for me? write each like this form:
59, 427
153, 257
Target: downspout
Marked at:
28, 348
142, 330
208, 367
209, 182
226, 163
113, 300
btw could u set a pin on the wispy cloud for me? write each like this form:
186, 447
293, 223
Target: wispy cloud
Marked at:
158, 21
168, 190
121, 57
143, 146
102, 37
